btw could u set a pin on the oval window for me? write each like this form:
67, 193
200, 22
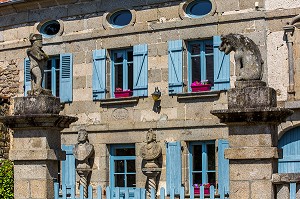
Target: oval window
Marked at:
50, 28
121, 18
199, 8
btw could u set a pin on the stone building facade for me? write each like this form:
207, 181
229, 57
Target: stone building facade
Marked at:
159, 46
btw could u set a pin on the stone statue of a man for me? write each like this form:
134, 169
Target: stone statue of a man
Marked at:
83, 150
151, 150
38, 59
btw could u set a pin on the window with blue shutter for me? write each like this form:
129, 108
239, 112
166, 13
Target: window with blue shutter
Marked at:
208, 65
173, 167
221, 67
202, 164
175, 49
223, 168
99, 74
66, 77
140, 71
129, 70
68, 171
57, 76
27, 76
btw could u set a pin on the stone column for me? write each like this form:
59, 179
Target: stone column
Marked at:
252, 118
36, 145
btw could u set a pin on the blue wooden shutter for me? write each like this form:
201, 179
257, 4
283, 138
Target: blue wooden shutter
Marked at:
140, 70
175, 50
221, 67
173, 167
66, 77
99, 74
223, 168
68, 174
290, 145
27, 76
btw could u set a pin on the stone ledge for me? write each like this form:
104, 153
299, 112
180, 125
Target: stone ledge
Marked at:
280, 178
198, 95
246, 153
37, 154
292, 104
124, 100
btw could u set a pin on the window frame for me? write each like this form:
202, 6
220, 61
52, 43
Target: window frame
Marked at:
204, 170
53, 70
125, 63
202, 56
112, 159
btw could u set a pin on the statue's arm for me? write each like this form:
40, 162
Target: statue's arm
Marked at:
37, 54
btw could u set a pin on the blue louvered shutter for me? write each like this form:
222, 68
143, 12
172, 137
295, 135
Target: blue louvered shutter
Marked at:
221, 67
223, 168
27, 76
66, 77
173, 166
175, 50
140, 70
99, 74
68, 172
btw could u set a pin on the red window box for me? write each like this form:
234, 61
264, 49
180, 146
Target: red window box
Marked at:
201, 87
119, 94
197, 190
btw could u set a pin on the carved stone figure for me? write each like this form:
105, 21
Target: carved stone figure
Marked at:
83, 151
151, 153
38, 59
247, 56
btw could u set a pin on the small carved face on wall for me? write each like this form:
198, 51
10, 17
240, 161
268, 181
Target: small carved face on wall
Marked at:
150, 136
82, 136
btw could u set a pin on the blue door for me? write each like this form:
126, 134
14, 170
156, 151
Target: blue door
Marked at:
290, 145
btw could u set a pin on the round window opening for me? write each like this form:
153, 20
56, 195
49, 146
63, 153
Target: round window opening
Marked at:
50, 28
121, 18
199, 8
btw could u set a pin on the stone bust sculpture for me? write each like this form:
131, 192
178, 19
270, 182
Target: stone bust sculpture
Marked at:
83, 150
247, 56
38, 59
151, 150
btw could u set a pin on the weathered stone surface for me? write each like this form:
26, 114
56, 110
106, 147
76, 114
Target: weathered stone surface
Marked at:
42, 104
280, 178
251, 153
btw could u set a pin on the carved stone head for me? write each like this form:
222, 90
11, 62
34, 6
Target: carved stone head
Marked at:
82, 136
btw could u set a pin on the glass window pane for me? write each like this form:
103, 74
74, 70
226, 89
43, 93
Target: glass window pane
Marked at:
200, 8
196, 72
130, 76
57, 83
195, 49
49, 65
197, 158
197, 178
119, 76
208, 48
211, 157
119, 166
211, 178
47, 80
130, 165
130, 56
119, 180
57, 64
121, 18
125, 152
118, 57
131, 180
210, 68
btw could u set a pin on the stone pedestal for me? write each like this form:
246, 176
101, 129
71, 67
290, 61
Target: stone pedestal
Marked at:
252, 118
36, 145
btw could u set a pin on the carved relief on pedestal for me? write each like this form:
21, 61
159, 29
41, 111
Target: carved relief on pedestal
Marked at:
151, 152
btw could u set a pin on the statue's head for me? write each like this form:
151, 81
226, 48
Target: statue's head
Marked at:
82, 136
229, 43
36, 39
151, 136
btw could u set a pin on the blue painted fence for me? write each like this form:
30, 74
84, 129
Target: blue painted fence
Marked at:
139, 193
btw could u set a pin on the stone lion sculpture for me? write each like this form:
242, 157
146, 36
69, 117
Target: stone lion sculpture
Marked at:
247, 56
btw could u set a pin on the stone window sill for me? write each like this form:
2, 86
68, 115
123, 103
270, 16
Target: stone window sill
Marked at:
123, 100
198, 95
